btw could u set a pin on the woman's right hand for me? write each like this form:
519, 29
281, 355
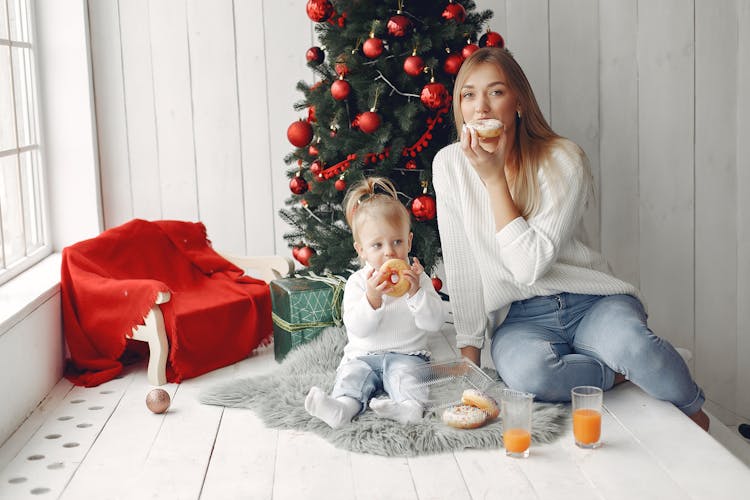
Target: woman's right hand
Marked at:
489, 165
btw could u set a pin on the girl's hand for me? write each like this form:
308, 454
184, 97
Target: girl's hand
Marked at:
488, 164
376, 288
412, 275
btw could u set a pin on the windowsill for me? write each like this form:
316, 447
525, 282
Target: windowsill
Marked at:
27, 291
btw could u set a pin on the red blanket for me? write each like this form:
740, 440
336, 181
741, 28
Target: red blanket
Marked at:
216, 315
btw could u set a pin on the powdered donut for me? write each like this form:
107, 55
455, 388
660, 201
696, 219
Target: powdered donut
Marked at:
393, 271
487, 128
484, 402
464, 417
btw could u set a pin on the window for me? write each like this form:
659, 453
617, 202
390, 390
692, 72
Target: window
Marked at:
23, 233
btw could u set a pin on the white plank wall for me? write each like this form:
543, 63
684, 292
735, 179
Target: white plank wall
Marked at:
666, 165
193, 101
618, 132
716, 95
743, 213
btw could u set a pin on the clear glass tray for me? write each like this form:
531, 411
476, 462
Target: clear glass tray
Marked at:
439, 385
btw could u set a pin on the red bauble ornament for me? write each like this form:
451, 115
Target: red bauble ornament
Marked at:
469, 49
411, 165
452, 64
342, 69
423, 207
340, 184
315, 55
313, 150
413, 65
303, 255
437, 283
340, 89
298, 185
434, 95
399, 25
456, 12
492, 39
299, 133
319, 10
369, 122
373, 47
316, 167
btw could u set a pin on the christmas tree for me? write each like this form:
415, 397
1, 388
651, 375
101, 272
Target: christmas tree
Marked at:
381, 107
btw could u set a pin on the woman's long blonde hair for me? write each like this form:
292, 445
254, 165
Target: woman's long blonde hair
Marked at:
373, 197
534, 138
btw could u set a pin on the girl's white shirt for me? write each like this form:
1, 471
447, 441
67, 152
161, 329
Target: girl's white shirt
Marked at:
399, 325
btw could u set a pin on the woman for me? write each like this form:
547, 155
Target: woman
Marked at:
509, 208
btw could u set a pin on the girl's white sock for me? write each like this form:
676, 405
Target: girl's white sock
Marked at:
333, 411
407, 412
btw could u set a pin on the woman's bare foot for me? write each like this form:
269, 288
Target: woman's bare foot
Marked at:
700, 418
619, 378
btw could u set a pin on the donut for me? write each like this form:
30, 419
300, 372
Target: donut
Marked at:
486, 128
392, 270
464, 417
484, 402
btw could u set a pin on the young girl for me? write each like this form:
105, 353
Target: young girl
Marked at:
386, 335
508, 210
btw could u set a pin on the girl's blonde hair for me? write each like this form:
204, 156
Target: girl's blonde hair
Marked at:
373, 197
534, 138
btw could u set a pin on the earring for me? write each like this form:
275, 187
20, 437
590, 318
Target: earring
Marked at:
518, 113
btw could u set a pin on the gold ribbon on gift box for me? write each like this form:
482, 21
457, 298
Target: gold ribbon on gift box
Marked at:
337, 283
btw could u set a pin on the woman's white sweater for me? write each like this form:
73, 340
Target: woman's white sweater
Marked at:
487, 270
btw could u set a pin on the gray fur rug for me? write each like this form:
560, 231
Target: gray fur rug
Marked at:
278, 398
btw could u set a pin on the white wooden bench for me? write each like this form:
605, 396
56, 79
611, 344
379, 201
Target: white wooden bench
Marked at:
266, 268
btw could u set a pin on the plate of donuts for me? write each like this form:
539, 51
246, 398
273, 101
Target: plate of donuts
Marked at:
457, 391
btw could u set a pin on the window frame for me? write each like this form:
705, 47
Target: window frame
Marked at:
34, 251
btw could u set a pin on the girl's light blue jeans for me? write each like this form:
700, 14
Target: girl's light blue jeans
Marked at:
362, 377
548, 345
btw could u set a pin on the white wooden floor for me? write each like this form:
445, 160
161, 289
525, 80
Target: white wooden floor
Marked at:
102, 442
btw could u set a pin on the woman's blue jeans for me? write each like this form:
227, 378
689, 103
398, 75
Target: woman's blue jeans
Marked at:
548, 345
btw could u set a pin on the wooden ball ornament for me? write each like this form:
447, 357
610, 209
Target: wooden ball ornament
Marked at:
158, 400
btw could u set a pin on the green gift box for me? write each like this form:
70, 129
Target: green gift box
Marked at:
302, 308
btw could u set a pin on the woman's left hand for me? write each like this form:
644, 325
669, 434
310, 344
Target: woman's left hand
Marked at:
489, 165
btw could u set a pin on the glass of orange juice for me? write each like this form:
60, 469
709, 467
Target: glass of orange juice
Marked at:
515, 409
587, 416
